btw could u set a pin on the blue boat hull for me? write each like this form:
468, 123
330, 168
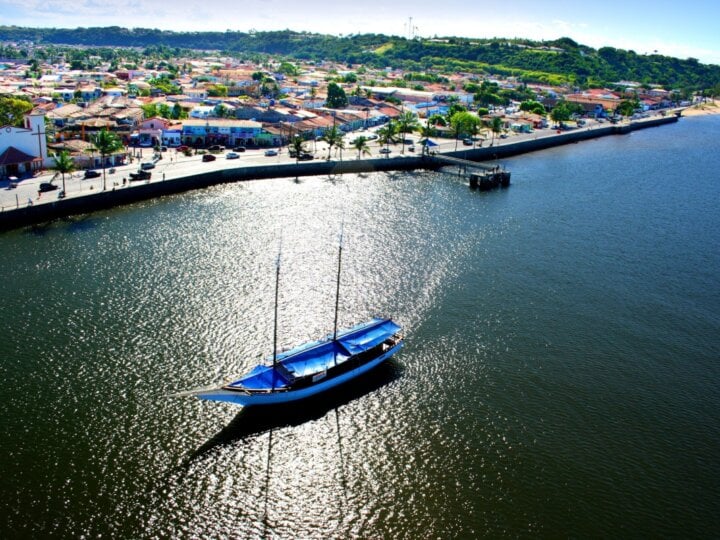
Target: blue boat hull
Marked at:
247, 399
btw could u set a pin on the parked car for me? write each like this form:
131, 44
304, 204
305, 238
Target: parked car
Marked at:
384, 150
239, 149
305, 156
147, 165
468, 142
232, 155
140, 175
47, 186
183, 148
91, 173
271, 153
215, 148
208, 157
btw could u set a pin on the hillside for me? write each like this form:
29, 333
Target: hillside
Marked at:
554, 62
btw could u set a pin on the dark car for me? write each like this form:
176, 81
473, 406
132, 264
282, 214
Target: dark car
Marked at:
239, 149
208, 157
140, 175
215, 148
90, 173
468, 142
305, 157
47, 186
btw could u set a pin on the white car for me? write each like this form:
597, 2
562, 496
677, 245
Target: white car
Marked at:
271, 152
232, 155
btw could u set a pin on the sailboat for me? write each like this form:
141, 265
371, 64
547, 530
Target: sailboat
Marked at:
315, 367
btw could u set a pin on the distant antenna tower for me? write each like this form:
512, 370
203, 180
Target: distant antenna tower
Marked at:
410, 29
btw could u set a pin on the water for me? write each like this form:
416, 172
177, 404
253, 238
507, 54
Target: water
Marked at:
559, 376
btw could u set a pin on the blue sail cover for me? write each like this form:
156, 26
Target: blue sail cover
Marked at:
367, 337
309, 359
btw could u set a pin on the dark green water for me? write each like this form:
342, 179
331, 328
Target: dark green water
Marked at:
559, 376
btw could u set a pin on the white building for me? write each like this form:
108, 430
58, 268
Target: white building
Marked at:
24, 149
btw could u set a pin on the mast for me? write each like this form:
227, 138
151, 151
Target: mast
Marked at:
337, 289
275, 324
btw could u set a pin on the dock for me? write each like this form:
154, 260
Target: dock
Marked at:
491, 176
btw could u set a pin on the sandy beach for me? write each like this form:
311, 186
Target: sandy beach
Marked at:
709, 107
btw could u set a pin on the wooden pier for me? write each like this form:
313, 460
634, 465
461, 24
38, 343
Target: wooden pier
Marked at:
490, 177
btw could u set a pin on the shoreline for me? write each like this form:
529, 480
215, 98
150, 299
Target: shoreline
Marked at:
81, 202
703, 109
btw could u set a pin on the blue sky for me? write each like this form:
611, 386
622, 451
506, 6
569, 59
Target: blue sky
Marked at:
674, 28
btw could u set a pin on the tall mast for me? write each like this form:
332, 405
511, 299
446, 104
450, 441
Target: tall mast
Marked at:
337, 290
275, 324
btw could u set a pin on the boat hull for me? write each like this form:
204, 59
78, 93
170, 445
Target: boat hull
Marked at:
273, 398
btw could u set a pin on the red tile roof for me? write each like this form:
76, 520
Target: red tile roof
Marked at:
13, 156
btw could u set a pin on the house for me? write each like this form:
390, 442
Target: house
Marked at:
86, 156
172, 135
196, 132
202, 111
23, 150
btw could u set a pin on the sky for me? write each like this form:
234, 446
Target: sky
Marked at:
670, 27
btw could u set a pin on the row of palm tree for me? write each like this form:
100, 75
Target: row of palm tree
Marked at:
105, 142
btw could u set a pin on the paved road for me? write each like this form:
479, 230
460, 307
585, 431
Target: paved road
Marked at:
176, 165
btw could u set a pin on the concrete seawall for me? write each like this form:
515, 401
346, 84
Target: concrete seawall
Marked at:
90, 202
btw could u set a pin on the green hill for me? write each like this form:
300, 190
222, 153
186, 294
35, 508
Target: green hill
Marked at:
554, 62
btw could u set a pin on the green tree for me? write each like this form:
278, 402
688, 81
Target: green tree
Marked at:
178, 112
149, 110
13, 111
627, 107
496, 126
361, 145
387, 134
534, 107
336, 98
297, 145
217, 90
560, 113
437, 120
333, 137
407, 122
64, 164
106, 142
288, 69
463, 123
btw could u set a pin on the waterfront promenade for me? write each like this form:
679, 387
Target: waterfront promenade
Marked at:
24, 204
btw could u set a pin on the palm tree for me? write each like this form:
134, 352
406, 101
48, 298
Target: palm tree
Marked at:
64, 164
297, 145
361, 145
387, 134
407, 122
106, 143
333, 137
495, 127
